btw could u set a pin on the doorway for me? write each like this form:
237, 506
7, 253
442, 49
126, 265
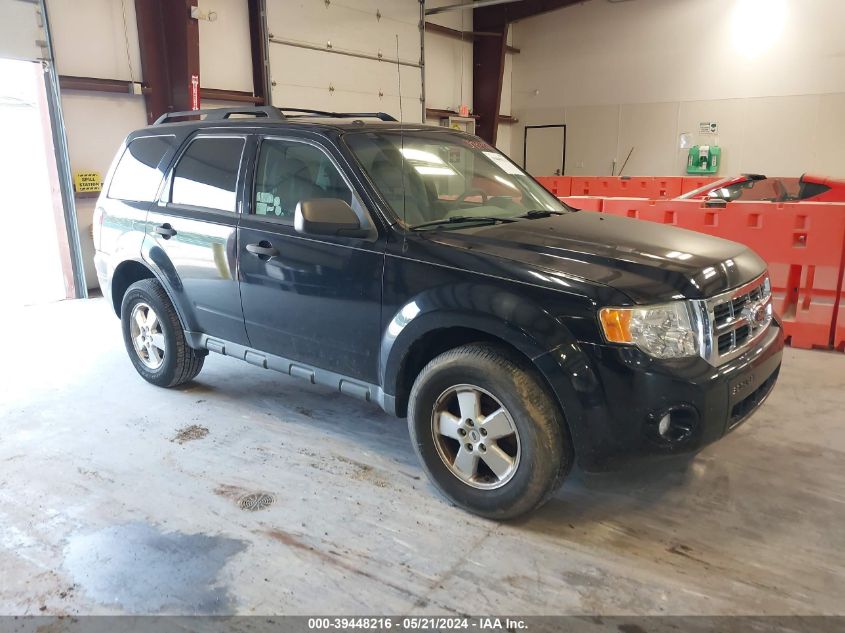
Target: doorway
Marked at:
544, 149
31, 262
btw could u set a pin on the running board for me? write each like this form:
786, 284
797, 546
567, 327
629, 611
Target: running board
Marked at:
346, 385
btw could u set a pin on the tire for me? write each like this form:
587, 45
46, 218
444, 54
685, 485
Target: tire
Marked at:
539, 449
169, 361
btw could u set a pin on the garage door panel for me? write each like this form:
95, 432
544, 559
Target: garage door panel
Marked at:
20, 31
343, 101
340, 101
405, 11
344, 73
402, 11
329, 80
346, 28
358, 84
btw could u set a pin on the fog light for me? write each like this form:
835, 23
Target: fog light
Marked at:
673, 427
663, 425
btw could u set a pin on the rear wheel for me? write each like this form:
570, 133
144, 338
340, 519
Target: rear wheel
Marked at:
489, 435
154, 337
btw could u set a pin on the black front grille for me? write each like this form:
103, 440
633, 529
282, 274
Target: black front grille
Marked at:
734, 338
742, 409
722, 312
731, 324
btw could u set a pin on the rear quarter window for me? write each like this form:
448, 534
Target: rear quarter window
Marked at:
138, 173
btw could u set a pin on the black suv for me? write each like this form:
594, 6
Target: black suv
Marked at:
419, 268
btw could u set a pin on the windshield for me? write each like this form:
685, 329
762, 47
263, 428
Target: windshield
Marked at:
432, 177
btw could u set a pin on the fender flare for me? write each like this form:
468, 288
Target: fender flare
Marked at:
154, 274
493, 310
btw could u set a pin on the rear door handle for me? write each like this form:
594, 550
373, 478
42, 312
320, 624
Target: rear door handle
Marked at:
262, 249
165, 230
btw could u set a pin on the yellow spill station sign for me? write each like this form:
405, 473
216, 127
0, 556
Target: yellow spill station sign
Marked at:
84, 181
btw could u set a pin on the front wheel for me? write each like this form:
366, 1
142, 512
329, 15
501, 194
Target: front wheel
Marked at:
154, 337
487, 432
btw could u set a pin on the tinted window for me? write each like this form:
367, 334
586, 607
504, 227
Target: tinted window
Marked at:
290, 172
137, 176
207, 173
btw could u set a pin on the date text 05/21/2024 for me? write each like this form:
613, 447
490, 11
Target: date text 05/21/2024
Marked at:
417, 623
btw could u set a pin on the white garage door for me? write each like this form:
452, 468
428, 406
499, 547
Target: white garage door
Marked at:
341, 56
20, 30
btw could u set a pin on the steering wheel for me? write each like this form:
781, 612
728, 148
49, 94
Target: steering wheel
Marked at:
469, 192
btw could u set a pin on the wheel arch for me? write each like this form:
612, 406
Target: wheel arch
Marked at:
427, 326
127, 273
437, 341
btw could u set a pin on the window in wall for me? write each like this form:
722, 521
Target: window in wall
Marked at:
137, 175
207, 174
290, 172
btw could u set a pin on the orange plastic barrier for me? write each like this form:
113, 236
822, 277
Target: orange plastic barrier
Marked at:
623, 186
640, 187
670, 187
612, 187
558, 185
585, 203
803, 243
839, 328
694, 182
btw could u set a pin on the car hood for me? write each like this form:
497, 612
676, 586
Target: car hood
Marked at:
649, 262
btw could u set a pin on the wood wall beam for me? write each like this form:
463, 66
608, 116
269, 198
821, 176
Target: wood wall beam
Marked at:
97, 84
230, 95
464, 36
258, 50
514, 11
489, 57
169, 43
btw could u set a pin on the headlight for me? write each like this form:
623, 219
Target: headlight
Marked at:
662, 331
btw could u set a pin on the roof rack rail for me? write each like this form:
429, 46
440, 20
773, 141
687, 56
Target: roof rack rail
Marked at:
268, 112
220, 114
382, 116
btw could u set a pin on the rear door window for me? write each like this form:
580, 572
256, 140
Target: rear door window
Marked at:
138, 175
207, 173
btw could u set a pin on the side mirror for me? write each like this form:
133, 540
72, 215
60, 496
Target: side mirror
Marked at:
327, 216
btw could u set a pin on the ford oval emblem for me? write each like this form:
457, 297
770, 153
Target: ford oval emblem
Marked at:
758, 314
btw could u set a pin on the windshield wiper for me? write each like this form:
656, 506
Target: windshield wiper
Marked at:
539, 213
457, 219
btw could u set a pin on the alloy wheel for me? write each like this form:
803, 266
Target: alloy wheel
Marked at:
475, 436
147, 336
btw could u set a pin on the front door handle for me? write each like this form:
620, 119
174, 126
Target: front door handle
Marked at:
165, 230
262, 249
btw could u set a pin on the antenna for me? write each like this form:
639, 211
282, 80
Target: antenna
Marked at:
399, 79
463, 34
401, 133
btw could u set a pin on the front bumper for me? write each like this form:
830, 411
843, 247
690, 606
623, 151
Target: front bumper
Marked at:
614, 398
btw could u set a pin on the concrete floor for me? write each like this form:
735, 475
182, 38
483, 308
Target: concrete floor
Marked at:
111, 503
